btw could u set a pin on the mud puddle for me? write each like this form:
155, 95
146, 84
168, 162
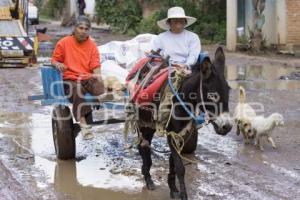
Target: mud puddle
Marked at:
102, 167
264, 77
226, 169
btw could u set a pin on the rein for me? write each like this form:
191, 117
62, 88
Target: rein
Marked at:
198, 119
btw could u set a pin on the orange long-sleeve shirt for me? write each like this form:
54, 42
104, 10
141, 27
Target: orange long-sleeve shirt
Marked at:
79, 58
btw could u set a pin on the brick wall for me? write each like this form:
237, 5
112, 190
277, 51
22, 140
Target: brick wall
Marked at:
293, 21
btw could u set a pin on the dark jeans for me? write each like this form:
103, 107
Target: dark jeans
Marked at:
76, 91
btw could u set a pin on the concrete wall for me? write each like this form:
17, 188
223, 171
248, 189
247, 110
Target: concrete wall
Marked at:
281, 22
248, 16
231, 35
73, 6
270, 28
90, 5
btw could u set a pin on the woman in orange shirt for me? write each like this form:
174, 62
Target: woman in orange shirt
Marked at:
77, 57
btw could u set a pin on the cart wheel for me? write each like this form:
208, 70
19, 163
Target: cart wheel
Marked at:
191, 142
89, 118
63, 133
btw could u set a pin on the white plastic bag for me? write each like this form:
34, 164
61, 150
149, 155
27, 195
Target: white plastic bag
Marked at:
113, 75
127, 53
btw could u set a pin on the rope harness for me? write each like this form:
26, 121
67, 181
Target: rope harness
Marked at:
164, 112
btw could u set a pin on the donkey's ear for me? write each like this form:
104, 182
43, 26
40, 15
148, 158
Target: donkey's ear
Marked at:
206, 68
219, 61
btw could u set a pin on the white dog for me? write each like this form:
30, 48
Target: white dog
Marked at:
243, 115
263, 127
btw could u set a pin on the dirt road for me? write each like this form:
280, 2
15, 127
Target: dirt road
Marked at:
226, 168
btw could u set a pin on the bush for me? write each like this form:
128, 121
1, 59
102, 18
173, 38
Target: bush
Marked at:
149, 24
124, 17
211, 32
127, 17
210, 14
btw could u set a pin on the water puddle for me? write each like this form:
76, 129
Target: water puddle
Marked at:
103, 168
263, 77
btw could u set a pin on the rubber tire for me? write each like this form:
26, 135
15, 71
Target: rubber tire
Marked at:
35, 21
63, 133
89, 118
191, 143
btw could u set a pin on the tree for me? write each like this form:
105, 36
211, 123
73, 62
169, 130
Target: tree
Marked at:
256, 35
68, 17
149, 6
142, 15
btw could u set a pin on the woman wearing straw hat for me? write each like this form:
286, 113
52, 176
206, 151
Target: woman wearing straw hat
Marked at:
181, 45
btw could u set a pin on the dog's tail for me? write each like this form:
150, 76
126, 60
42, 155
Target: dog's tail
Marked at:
242, 96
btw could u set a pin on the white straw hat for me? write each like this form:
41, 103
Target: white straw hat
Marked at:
175, 12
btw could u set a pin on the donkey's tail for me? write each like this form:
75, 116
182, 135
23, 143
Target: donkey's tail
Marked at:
242, 96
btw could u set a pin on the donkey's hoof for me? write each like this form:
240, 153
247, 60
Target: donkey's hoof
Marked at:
175, 195
150, 184
183, 196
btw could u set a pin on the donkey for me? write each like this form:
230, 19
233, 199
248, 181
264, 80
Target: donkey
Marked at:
206, 79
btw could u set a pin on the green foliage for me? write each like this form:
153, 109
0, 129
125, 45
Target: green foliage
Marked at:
244, 39
126, 16
54, 8
149, 24
211, 18
39, 4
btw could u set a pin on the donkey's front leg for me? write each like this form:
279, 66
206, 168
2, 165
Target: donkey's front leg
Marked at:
174, 193
180, 172
145, 152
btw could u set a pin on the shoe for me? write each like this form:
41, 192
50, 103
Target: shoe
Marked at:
86, 132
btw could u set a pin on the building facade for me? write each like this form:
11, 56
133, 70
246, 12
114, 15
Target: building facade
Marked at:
281, 27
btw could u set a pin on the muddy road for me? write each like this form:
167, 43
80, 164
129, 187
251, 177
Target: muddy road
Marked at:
225, 169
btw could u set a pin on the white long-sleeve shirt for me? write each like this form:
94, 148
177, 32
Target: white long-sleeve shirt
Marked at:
183, 48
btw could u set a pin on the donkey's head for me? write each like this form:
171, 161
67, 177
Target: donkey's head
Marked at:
215, 92
208, 81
